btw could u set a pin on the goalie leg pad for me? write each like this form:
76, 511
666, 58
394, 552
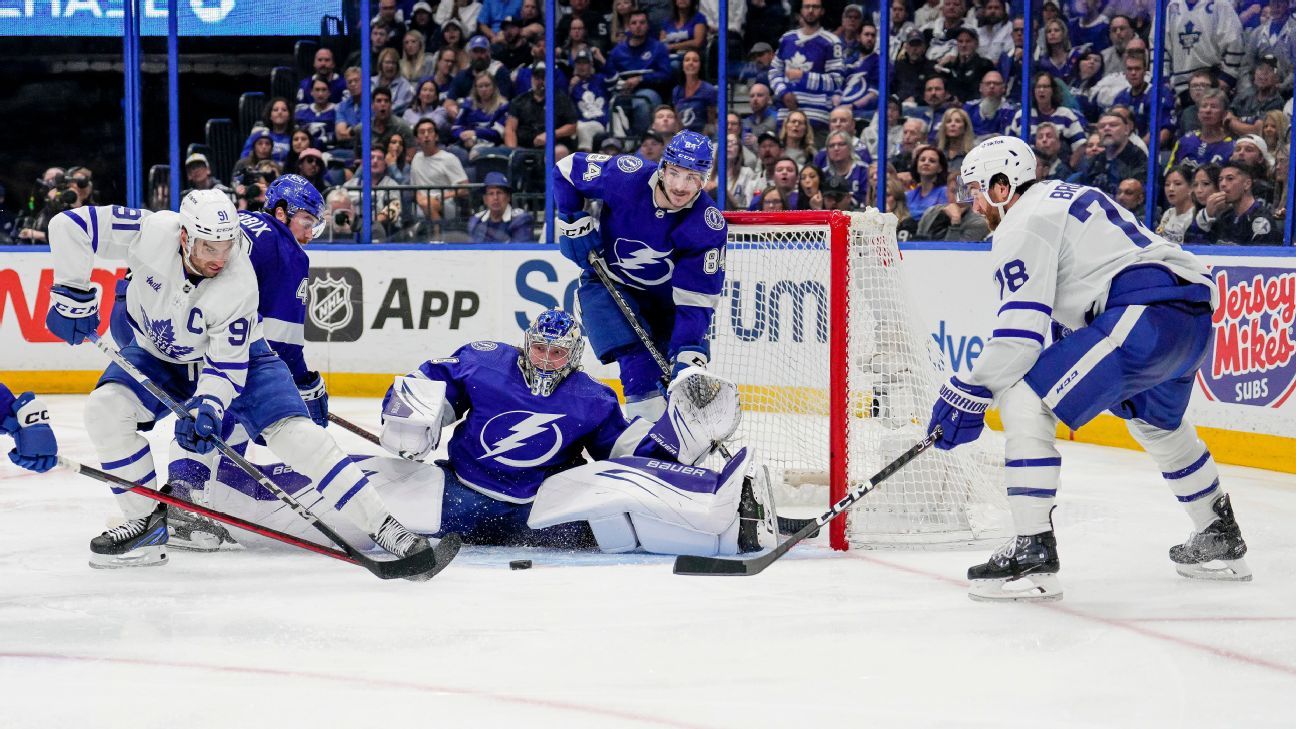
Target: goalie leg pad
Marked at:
673, 509
1033, 465
112, 415
309, 450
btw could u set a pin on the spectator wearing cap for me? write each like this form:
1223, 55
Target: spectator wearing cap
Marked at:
1237, 217
1246, 116
596, 26
1138, 97
525, 127
685, 30
462, 13
989, 112
1212, 142
500, 222
911, 70
1120, 159
1254, 151
318, 118
762, 119
641, 66
589, 95
836, 194
511, 48
756, 69
848, 32
807, 69
340, 224
198, 175
769, 148
402, 91
611, 146
434, 169
493, 13
994, 31
944, 43
422, 19
324, 67
260, 148
481, 117
967, 67
310, 164
651, 147
480, 61
694, 99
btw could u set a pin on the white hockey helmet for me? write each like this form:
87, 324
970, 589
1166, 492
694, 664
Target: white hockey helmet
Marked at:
209, 215
1002, 155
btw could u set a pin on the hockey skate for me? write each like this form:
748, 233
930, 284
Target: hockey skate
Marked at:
1023, 569
1216, 552
757, 516
401, 542
191, 532
137, 543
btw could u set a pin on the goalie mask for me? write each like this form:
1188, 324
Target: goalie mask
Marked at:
551, 349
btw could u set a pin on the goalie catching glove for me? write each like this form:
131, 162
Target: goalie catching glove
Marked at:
414, 416
702, 411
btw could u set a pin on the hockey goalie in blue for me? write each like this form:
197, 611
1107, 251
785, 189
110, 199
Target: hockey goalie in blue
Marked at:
516, 472
664, 242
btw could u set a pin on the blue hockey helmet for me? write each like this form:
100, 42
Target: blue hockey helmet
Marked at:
551, 350
690, 150
297, 193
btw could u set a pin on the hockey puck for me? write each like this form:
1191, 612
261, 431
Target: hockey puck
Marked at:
520, 564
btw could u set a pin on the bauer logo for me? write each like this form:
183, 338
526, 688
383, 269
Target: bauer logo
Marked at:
1251, 359
336, 309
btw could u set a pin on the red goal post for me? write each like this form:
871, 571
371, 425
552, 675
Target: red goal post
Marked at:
815, 326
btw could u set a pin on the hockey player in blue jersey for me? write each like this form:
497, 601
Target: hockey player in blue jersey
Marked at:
516, 472
26, 419
1131, 316
664, 242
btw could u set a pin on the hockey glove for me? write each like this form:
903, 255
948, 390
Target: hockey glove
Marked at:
35, 447
684, 359
578, 236
960, 412
315, 395
73, 314
198, 432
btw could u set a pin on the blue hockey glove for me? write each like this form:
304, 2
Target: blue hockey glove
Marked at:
315, 395
73, 314
35, 447
684, 359
960, 412
578, 236
198, 432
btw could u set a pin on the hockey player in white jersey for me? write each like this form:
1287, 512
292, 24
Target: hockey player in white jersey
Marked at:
192, 309
516, 472
1132, 319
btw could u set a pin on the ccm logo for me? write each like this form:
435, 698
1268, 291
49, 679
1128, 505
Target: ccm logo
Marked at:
36, 417
1064, 384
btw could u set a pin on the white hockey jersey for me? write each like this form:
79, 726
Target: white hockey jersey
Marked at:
1203, 34
1055, 255
175, 317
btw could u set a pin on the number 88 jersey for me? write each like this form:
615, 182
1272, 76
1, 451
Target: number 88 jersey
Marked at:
1055, 255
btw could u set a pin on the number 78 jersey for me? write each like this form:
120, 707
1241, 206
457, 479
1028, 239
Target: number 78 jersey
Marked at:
1055, 255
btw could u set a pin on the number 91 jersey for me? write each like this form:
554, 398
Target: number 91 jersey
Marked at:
1055, 254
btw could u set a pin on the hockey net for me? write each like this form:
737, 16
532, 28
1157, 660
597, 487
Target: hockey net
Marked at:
836, 379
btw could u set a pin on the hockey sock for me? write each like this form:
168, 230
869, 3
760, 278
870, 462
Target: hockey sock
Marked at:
112, 414
1032, 463
1188, 468
310, 451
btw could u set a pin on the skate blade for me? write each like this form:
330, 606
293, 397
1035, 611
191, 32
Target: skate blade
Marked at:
1221, 570
1029, 588
200, 542
141, 557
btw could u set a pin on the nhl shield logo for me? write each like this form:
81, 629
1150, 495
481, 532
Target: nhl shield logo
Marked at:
333, 313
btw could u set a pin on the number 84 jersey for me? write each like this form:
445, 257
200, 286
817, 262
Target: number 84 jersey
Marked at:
1055, 255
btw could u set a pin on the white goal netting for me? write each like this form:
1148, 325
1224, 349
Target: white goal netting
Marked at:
773, 335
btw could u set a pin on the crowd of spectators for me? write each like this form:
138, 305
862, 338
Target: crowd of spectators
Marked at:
459, 87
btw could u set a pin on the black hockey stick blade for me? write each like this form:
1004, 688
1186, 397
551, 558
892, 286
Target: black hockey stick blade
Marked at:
790, 526
419, 567
701, 566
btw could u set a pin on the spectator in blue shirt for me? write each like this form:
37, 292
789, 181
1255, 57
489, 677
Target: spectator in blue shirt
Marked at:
325, 67
494, 12
500, 222
480, 61
318, 118
276, 122
348, 114
757, 68
694, 99
641, 66
685, 31
930, 171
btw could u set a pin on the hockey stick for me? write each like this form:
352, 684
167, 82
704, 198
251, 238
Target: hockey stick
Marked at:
352, 427
212, 514
689, 565
421, 566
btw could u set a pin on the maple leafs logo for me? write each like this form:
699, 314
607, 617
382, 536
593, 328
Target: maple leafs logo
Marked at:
162, 334
1189, 37
799, 60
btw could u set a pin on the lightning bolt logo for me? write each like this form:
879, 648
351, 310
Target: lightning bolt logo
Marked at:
520, 435
635, 255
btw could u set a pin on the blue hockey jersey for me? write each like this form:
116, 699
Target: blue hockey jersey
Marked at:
819, 57
663, 258
509, 441
281, 266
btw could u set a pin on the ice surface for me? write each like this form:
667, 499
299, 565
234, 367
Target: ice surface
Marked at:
288, 639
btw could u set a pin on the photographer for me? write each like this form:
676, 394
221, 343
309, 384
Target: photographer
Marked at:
250, 188
340, 223
60, 192
8, 222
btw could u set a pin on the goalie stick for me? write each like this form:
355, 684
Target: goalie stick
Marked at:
418, 567
691, 565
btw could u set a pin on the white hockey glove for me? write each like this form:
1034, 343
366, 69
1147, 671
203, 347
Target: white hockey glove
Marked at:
702, 411
413, 417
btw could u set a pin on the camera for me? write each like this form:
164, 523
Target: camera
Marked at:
341, 218
248, 178
66, 196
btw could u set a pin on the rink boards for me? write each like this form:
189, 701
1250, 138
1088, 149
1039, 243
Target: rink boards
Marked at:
380, 310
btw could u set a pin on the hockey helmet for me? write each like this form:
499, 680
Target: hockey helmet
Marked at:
692, 151
551, 350
209, 215
1002, 155
297, 193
